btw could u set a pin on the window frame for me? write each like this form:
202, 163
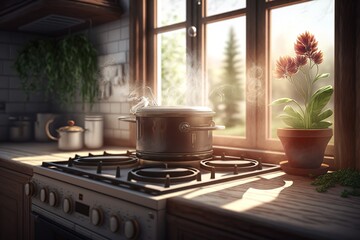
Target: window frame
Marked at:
345, 151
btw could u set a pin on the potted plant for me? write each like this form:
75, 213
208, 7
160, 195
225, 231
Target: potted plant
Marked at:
308, 132
62, 68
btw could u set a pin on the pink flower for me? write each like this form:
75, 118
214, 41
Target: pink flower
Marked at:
306, 44
317, 57
285, 67
300, 60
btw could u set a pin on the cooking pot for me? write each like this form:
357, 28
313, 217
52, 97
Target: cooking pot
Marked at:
70, 137
173, 133
20, 128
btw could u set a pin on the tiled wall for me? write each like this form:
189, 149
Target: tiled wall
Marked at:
13, 100
112, 43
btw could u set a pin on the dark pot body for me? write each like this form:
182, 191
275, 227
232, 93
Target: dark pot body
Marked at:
305, 148
174, 133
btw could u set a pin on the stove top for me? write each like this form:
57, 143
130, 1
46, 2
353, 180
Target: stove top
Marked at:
156, 178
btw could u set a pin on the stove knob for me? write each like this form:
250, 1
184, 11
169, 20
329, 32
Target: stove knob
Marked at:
114, 223
131, 229
67, 205
53, 199
43, 194
29, 189
96, 216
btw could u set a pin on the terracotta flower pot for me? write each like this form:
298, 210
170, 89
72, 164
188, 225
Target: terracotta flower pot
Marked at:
304, 148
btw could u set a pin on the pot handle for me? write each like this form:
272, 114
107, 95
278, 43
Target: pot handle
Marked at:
127, 119
186, 127
47, 125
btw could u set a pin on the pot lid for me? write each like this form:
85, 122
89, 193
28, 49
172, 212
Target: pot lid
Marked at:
71, 127
174, 111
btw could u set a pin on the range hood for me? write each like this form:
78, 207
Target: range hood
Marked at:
56, 17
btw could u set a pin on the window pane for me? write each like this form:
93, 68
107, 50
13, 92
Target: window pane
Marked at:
316, 17
225, 70
214, 7
171, 68
170, 12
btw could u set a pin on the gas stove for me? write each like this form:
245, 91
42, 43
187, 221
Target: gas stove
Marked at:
120, 196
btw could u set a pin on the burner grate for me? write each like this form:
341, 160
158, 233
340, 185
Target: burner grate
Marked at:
127, 159
230, 163
161, 173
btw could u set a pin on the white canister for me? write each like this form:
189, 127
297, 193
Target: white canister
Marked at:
94, 131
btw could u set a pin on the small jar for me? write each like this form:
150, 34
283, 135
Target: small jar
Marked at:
94, 131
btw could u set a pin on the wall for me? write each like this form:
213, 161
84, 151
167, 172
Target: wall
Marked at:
13, 101
112, 43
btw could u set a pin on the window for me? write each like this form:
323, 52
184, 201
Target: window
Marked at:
222, 54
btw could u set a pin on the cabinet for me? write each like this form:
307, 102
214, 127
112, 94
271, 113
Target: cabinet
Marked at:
15, 206
182, 229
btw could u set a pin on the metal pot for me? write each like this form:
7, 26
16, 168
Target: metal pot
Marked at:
174, 133
70, 138
20, 129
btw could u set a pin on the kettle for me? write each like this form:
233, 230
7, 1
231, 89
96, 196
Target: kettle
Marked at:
70, 137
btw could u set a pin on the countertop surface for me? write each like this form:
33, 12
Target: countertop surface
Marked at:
277, 202
272, 205
26, 155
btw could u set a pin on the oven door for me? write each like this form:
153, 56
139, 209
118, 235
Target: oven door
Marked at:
46, 229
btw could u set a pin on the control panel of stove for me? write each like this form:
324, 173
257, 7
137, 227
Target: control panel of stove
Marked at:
95, 213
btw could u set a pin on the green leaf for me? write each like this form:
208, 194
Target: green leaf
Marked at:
290, 111
281, 101
322, 124
320, 76
327, 113
291, 121
319, 100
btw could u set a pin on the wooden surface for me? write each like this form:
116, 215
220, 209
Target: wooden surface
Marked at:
269, 206
272, 206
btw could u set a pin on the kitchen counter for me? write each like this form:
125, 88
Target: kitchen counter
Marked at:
269, 206
22, 156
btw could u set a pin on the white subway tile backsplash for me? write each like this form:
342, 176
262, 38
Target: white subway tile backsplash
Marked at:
115, 107
104, 107
37, 107
125, 32
125, 107
17, 95
4, 51
112, 47
123, 45
4, 37
8, 68
114, 35
4, 82
15, 107
122, 134
4, 95
14, 51
108, 133
124, 125
112, 43
14, 82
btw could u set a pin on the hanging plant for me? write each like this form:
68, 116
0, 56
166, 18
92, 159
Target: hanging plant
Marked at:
61, 68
